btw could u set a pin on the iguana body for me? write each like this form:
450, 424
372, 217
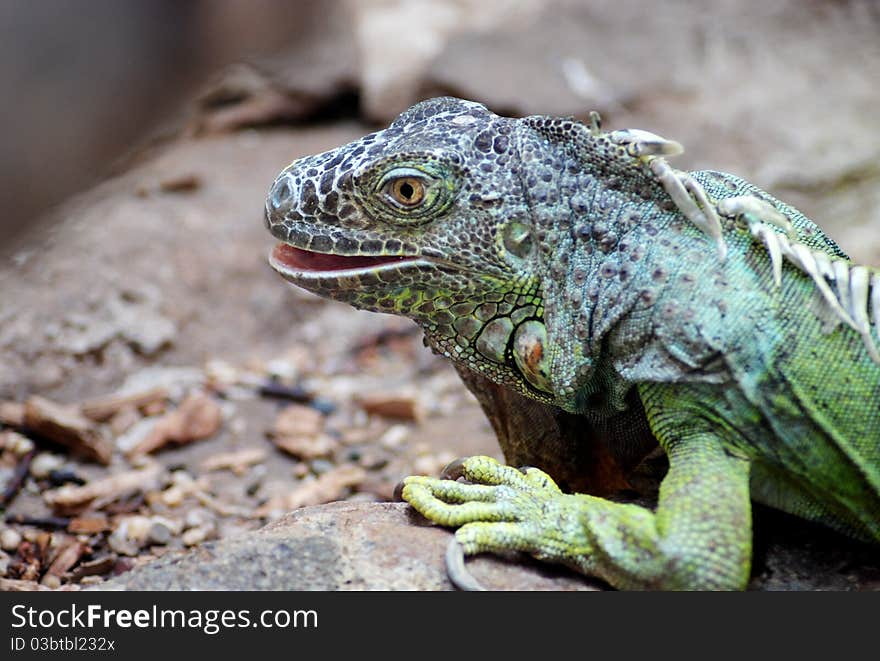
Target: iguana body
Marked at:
597, 301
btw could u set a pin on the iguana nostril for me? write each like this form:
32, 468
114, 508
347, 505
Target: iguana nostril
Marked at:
282, 194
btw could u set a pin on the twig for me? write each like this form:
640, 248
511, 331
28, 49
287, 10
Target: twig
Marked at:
13, 486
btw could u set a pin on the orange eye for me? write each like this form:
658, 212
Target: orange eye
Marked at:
407, 191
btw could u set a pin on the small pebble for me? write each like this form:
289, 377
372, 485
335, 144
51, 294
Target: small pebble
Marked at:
51, 581
282, 370
44, 463
198, 517
159, 534
372, 459
320, 466
182, 478
120, 543
137, 528
173, 496
432, 464
324, 406
394, 437
18, 443
194, 536
10, 539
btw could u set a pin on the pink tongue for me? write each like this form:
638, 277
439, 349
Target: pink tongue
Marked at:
305, 260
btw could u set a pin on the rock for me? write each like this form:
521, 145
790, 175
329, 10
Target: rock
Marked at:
298, 420
19, 444
397, 406
339, 546
66, 425
44, 463
194, 536
393, 62
198, 417
306, 447
740, 90
318, 68
9, 540
332, 484
386, 546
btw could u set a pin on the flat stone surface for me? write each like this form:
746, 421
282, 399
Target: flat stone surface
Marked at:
338, 546
387, 546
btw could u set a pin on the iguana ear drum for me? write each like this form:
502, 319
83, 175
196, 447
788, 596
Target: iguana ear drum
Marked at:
530, 355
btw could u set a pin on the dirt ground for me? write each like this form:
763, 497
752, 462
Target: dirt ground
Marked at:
161, 388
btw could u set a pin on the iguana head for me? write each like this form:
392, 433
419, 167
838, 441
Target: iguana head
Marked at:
428, 219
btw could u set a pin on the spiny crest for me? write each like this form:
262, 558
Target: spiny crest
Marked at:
855, 284
687, 194
857, 287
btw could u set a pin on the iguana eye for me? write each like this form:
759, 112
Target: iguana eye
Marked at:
407, 191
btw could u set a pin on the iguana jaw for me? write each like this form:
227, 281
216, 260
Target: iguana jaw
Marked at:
306, 267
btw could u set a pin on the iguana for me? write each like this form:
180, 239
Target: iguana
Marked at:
598, 301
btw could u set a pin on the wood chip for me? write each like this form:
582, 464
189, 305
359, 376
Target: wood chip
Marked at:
88, 525
104, 408
306, 447
67, 426
123, 420
298, 420
66, 558
400, 407
182, 183
154, 408
330, 486
12, 413
237, 461
197, 417
16, 481
115, 486
93, 567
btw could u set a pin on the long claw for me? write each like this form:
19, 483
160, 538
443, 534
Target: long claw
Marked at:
685, 192
454, 469
875, 301
859, 279
456, 570
771, 241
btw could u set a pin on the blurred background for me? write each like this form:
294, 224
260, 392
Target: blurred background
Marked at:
784, 92
139, 142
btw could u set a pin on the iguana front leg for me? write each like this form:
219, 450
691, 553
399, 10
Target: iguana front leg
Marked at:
698, 538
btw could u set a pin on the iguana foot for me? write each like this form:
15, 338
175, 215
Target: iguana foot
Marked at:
499, 509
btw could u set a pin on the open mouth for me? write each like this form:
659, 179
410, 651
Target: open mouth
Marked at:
289, 259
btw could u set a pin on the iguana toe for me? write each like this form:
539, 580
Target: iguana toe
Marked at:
500, 509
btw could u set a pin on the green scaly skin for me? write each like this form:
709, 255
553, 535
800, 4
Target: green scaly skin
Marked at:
546, 257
